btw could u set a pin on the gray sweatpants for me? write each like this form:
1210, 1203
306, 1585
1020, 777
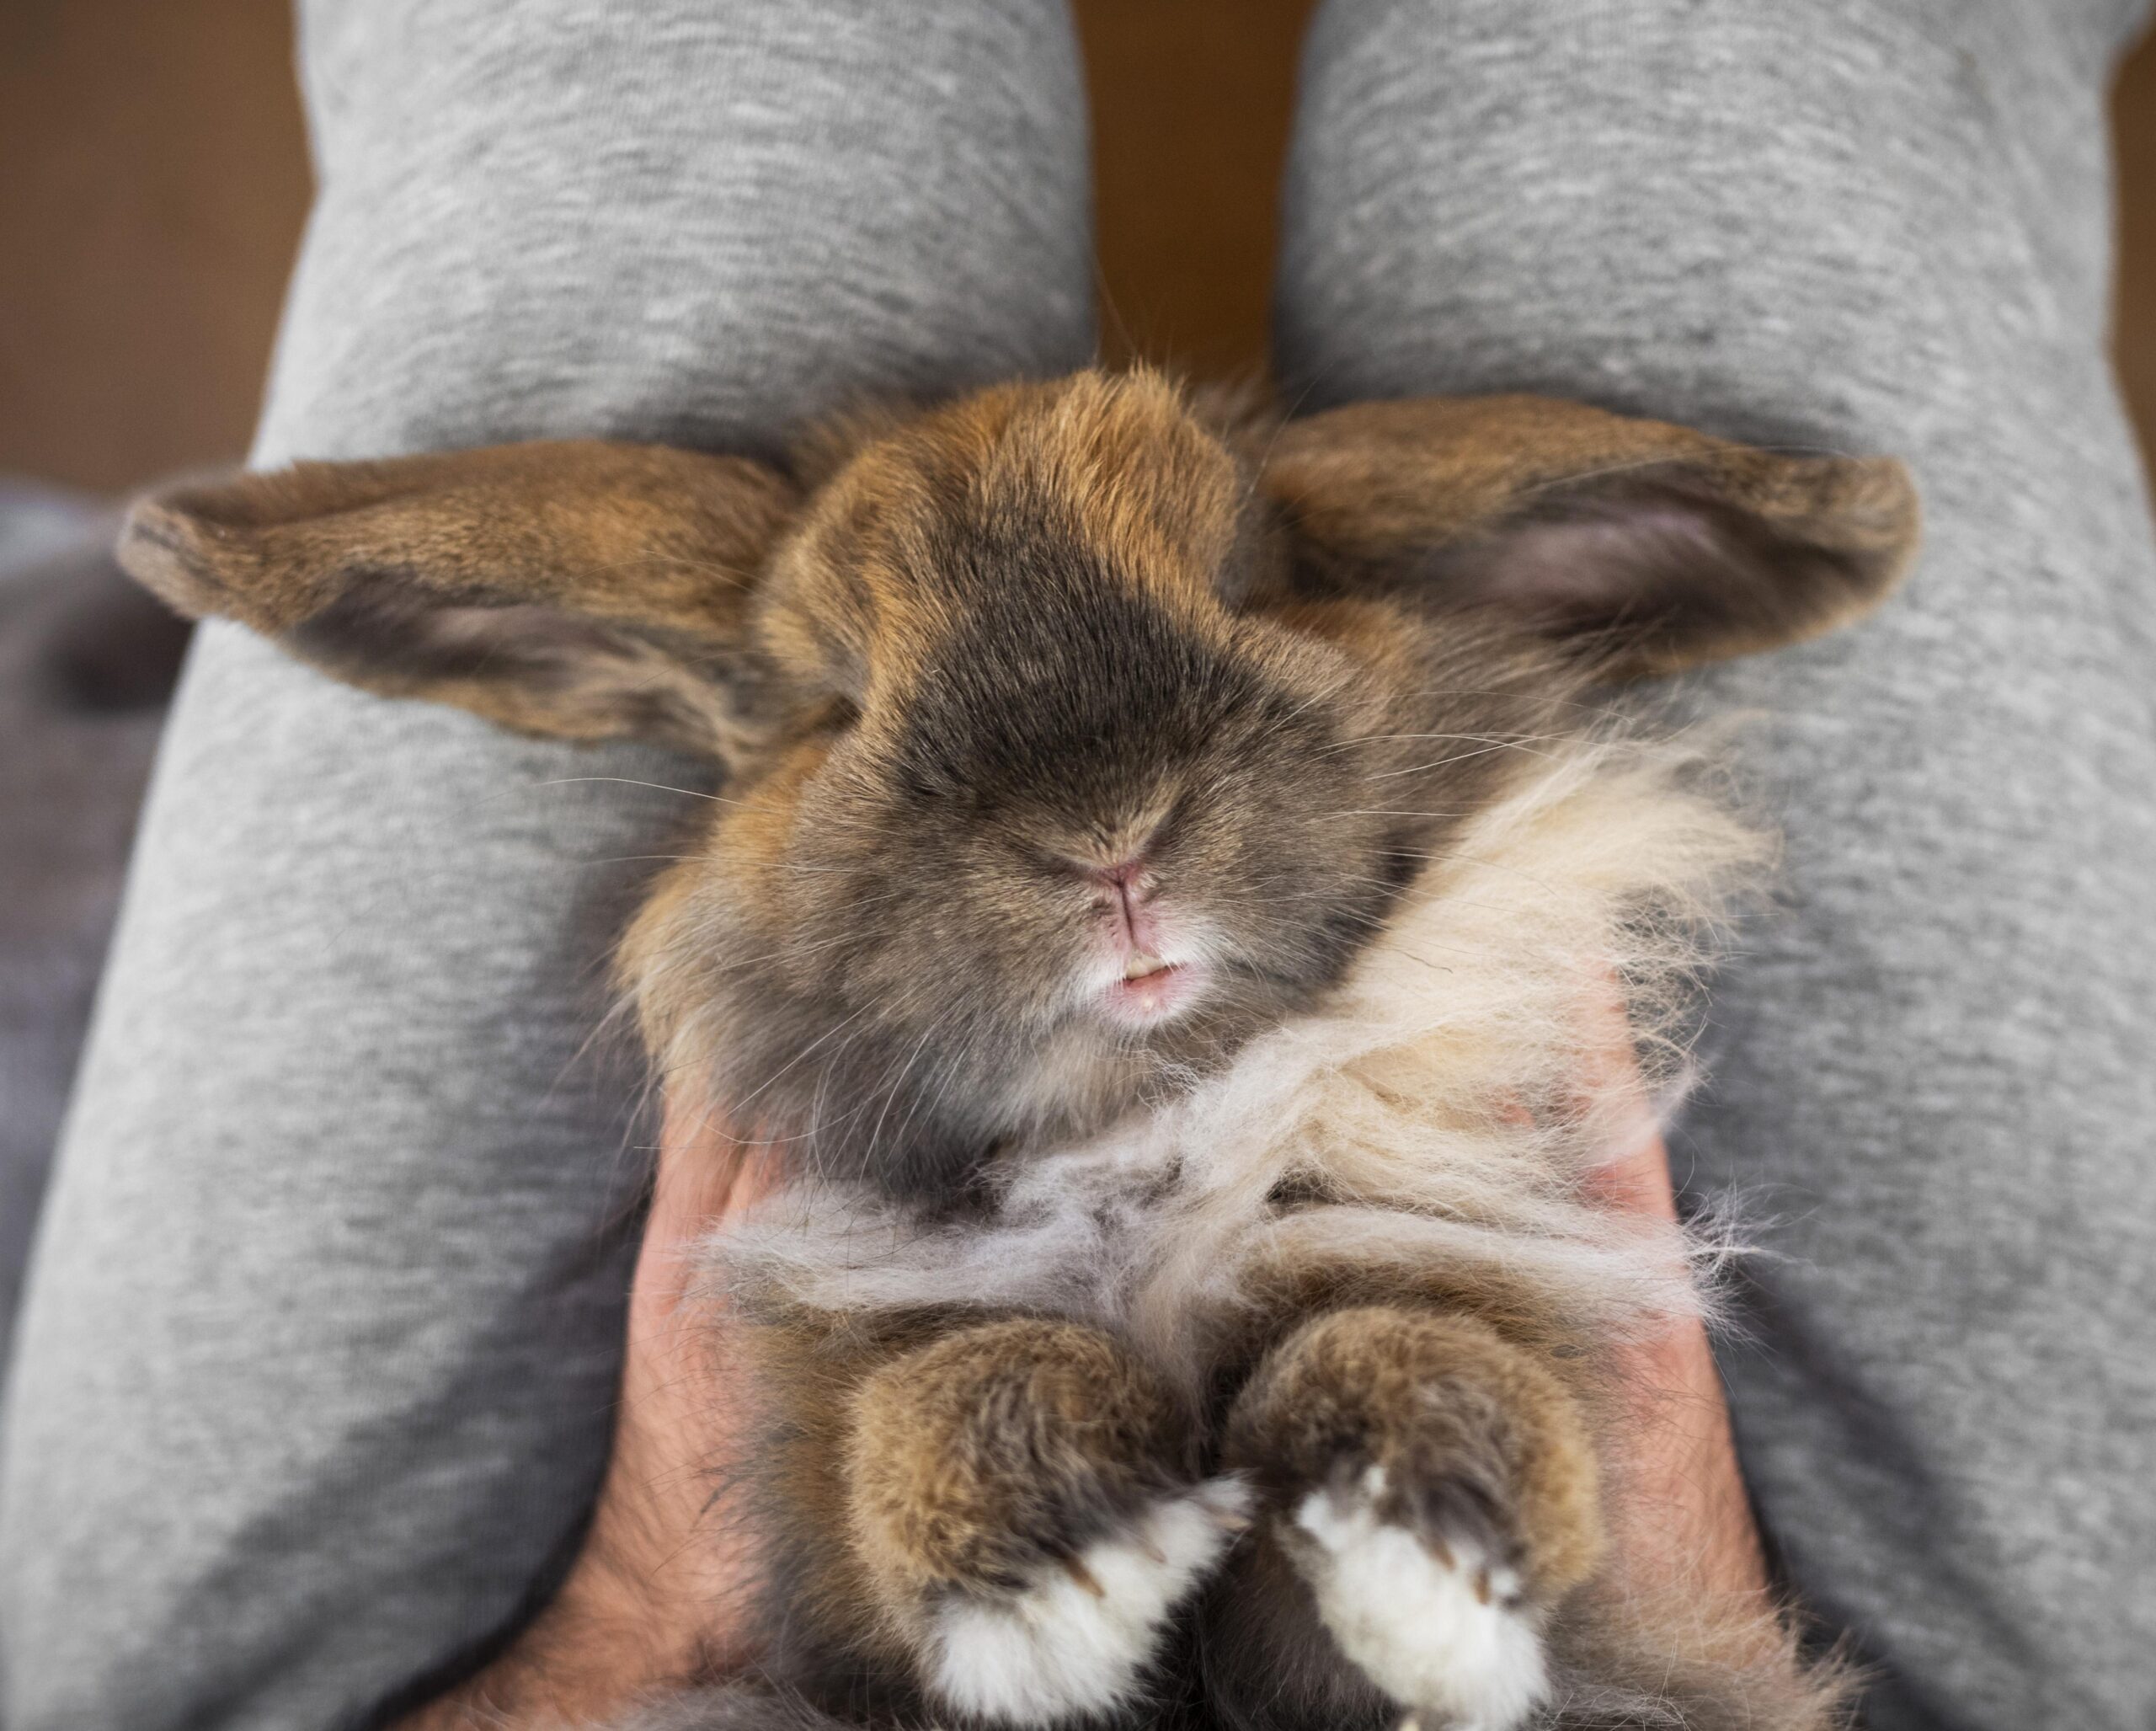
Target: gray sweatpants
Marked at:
313, 1379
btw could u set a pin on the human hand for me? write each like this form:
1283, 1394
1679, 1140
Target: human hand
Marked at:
655, 1596
1682, 1520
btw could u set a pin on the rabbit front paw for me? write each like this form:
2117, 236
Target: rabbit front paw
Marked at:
1022, 1505
1435, 1615
1077, 1635
1434, 1487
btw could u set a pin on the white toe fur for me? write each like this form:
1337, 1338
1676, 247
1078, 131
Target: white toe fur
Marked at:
1060, 1650
1416, 1625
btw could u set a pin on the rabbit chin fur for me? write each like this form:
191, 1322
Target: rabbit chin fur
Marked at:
1446, 1107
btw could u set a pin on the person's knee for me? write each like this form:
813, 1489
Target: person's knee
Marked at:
1673, 208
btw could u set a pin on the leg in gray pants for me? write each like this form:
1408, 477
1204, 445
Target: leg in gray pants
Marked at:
317, 1369
315, 1373
1856, 225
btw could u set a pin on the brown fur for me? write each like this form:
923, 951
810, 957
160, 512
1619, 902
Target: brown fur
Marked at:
953, 659
1475, 1437
575, 588
933, 1456
1000, 1446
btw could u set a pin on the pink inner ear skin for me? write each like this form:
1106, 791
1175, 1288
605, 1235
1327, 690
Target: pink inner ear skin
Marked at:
1596, 567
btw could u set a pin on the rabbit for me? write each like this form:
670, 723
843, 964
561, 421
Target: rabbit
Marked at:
1174, 889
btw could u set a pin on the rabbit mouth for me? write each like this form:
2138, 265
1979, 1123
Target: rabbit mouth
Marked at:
1152, 991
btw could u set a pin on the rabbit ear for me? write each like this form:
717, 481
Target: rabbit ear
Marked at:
583, 589
1657, 547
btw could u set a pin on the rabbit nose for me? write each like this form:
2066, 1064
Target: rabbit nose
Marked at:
1125, 888
1123, 894
1130, 878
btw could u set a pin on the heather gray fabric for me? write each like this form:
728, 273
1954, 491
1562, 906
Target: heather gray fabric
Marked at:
320, 1343
316, 1363
85, 669
1877, 226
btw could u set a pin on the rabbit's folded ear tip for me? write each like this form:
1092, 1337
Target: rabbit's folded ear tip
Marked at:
152, 535
173, 554
194, 549
1878, 499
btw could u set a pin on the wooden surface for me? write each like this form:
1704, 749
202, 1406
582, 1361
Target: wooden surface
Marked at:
2133, 335
153, 180
1191, 100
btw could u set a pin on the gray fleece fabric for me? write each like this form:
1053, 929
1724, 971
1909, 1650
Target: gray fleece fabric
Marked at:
314, 1373
1850, 225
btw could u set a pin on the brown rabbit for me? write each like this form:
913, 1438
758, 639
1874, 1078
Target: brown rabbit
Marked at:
1182, 1253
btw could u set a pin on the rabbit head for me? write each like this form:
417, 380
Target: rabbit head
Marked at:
1072, 732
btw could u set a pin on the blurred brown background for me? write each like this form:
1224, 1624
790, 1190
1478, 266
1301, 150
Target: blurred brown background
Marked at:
153, 180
